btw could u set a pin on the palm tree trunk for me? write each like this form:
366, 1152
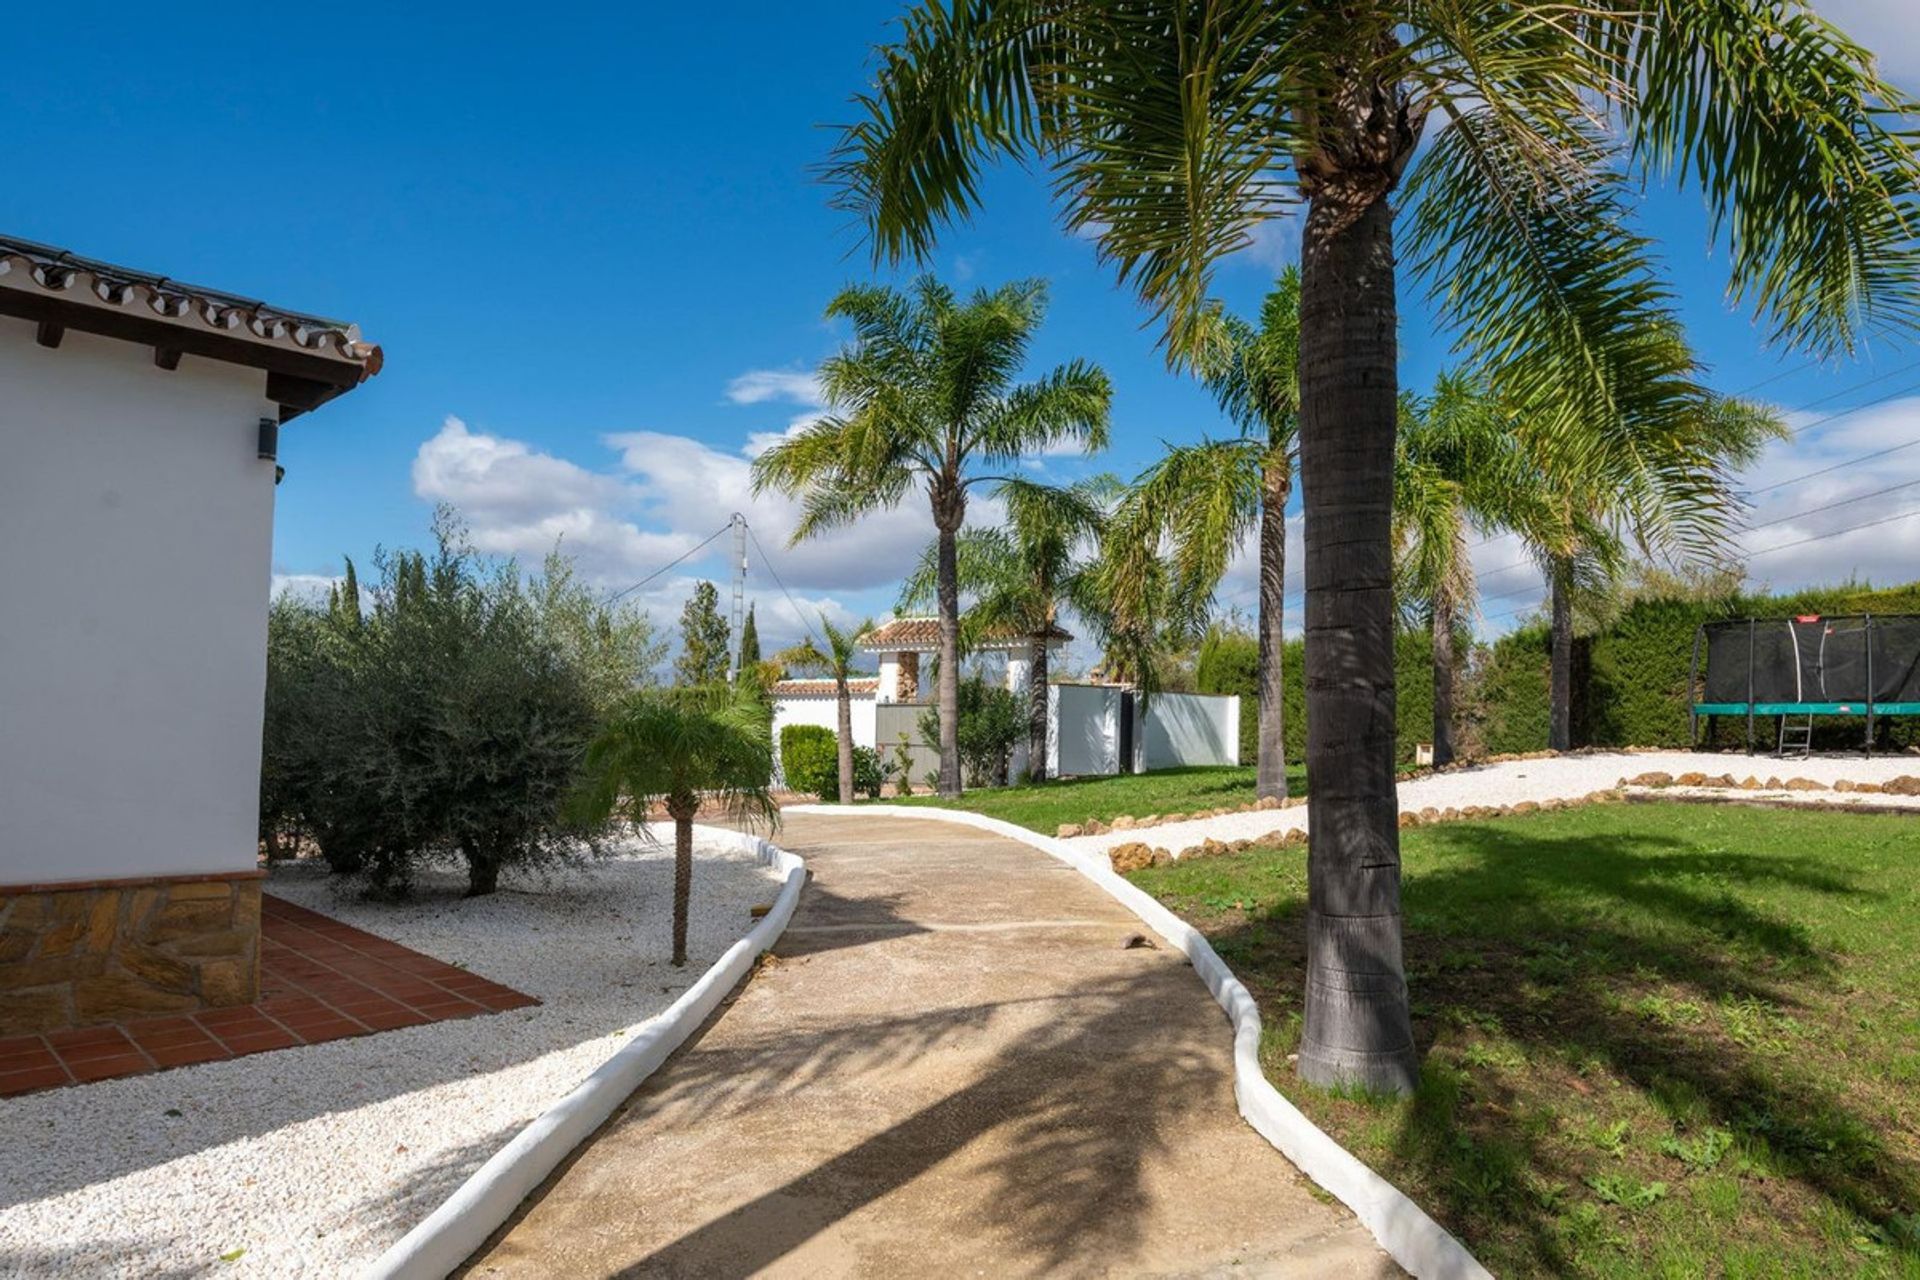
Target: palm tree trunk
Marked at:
1037, 711
1271, 766
682, 813
1442, 681
845, 700
1560, 720
947, 587
1357, 1029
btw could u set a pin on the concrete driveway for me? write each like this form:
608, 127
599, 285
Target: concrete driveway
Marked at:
954, 1065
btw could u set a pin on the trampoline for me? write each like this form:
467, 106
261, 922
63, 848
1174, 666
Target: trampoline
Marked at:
1805, 666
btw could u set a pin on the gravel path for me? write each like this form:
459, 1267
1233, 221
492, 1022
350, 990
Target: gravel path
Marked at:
1561, 778
312, 1160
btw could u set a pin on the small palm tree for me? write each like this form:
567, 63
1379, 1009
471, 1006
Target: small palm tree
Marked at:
1019, 579
680, 748
836, 660
923, 395
1207, 497
1661, 484
1460, 467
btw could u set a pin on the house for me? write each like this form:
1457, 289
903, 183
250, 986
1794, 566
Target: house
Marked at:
1091, 728
139, 422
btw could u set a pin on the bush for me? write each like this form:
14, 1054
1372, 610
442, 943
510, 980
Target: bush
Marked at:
992, 720
808, 754
869, 775
1229, 663
450, 722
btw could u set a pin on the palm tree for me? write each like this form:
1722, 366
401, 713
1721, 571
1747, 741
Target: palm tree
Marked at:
1665, 487
1019, 578
678, 748
836, 660
1208, 496
1459, 467
1174, 129
923, 394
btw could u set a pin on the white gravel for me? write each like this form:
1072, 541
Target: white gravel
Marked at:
1560, 778
313, 1160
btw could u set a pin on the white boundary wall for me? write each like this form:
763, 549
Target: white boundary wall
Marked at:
450, 1234
1403, 1228
1185, 729
1083, 730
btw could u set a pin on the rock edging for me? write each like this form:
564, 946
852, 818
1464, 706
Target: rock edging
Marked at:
449, 1235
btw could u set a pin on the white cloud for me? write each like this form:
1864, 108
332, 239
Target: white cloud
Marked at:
763, 386
302, 586
1884, 26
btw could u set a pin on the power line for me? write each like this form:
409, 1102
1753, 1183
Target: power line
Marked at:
799, 613
1908, 514
1850, 462
618, 595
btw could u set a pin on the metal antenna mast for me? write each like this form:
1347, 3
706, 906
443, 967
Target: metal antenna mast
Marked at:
738, 620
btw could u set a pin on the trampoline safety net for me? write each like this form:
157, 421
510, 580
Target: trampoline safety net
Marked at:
1812, 666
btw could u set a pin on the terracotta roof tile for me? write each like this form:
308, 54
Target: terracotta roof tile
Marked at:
823, 687
924, 633
45, 270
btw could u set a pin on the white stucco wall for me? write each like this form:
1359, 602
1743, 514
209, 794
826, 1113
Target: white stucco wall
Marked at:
1186, 729
1083, 730
823, 711
135, 559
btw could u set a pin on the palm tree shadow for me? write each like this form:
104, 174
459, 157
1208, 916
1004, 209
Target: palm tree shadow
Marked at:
1079, 1105
1547, 941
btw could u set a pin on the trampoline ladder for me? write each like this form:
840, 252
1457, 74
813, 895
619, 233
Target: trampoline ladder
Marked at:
1796, 739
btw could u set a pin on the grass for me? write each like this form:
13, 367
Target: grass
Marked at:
1658, 1040
1043, 807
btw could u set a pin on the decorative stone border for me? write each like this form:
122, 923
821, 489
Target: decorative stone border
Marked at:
1905, 785
462, 1223
1135, 854
1125, 822
1405, 1230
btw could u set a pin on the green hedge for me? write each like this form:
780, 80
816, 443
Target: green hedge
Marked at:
1630, 680
809, 756
1229, 663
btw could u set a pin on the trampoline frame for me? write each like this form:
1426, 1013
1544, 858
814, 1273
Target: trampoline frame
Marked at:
1752, 710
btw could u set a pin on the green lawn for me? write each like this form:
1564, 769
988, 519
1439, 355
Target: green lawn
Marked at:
1660, 1040
1043, 807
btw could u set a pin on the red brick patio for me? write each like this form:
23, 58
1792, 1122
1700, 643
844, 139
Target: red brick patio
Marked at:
319, 980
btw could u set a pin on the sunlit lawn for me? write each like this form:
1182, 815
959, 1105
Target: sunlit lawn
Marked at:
1044, 806
1664, 1040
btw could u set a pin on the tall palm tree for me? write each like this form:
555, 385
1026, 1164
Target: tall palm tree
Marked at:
1173, 129
1019, 578
677, 748
1208, 496
923, 395
836, 660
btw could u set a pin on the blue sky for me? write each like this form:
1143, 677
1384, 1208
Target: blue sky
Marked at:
593, 248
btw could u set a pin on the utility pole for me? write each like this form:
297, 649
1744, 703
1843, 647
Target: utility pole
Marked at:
738, 617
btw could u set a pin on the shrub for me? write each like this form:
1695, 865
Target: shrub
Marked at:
450, 721
808, 754
869, 774
992, 720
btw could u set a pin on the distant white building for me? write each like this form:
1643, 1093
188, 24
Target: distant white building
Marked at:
139, 422
1092, 729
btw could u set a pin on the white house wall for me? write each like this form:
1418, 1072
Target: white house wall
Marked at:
135, 561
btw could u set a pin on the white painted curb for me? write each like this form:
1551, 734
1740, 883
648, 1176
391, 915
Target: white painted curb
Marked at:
1404, 1230
462, 1223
